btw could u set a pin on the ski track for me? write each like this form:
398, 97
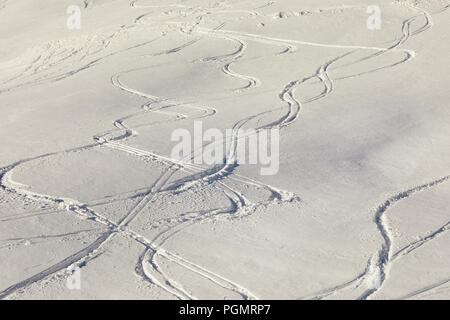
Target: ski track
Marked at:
383, 260
382, 263
147, 266
431, 289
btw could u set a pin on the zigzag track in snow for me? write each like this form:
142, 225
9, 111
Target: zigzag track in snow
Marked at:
238, 202
84, 255
378, 267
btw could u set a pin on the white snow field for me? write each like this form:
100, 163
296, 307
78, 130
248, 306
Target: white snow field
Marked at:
93, 206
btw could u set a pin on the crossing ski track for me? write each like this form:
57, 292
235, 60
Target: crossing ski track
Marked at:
147, 266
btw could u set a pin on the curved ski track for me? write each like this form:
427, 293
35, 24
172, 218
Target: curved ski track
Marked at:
147, 266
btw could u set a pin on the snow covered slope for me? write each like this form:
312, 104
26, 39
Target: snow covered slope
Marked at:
93, 206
